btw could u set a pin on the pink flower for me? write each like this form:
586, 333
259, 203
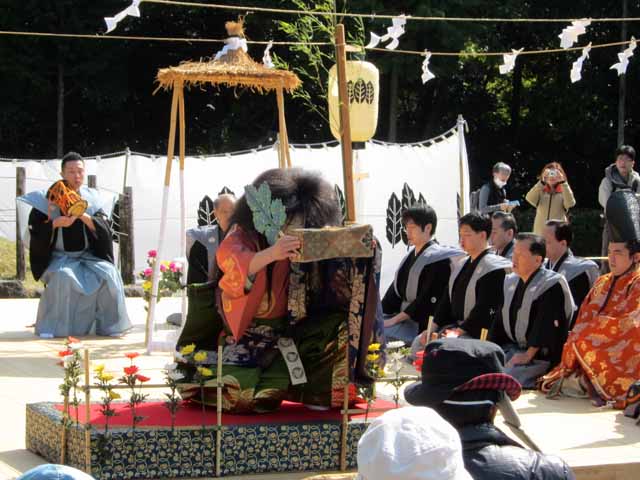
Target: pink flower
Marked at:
148, 272
172, 266
163, 268
152, 254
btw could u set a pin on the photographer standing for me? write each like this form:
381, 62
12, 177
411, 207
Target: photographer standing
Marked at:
551, 196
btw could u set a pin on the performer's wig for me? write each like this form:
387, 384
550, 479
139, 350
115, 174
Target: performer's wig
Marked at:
305, 194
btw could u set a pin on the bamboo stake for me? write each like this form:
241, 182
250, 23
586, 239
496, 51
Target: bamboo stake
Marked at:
219, 413
87, 420
429, 330
283, 145
63, 434
155, 278
345, 407
345, 125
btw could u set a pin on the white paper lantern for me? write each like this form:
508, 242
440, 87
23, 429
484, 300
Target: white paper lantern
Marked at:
363, 87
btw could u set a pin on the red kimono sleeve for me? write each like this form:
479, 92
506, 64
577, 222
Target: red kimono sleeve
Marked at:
243, 299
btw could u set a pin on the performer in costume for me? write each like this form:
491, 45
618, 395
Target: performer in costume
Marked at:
600, 355
579, 272
532, 325
288, 324
73, 256
203, 323
474, 292
421, 279
503, 232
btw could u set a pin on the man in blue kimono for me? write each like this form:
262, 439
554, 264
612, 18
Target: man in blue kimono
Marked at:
73, 257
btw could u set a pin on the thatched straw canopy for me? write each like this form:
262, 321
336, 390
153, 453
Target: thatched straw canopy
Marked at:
235, 68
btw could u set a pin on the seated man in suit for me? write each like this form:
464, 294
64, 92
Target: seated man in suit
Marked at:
421, 279
503, 232
579, 272
474, 292
532, 325
73, 256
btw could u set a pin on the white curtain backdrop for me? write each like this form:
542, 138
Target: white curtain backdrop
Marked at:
430, 169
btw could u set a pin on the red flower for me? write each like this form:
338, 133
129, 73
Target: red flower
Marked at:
66, 352
131, 355
142, 378
73, 340
418, 364
132, 370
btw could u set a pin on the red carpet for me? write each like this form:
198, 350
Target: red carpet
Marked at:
190, 414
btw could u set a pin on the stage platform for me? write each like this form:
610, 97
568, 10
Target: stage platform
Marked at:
598, 444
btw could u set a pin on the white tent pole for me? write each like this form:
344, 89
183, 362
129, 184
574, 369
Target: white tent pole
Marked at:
177, 89
183, 211
461, 160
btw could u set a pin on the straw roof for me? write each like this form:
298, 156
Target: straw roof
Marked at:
235, 68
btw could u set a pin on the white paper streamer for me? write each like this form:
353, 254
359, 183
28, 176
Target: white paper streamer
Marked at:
509, 60
266, 57
624, 57
426, 73
132, 10
570, 34
394, 32
576, 68
232, 43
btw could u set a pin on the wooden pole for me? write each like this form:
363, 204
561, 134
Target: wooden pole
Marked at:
87, 406
177, 87
484, 333
345, 125
92, 181
21, 264
127, 249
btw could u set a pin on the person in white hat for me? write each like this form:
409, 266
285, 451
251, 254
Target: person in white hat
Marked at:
410, 443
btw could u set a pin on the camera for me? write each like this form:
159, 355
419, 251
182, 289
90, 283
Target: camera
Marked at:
552, 173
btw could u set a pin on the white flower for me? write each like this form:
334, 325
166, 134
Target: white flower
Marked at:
67, 359
175, 376
396, 344
394, 365
75, 346
170, 367
178, 357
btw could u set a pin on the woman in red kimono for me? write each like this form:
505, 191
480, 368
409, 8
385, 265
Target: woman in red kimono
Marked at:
603, 350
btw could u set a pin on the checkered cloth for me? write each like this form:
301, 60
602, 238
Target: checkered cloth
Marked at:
493, 381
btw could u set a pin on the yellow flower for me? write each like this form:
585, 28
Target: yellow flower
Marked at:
105, 377
188, 349
114, 395
381, 373
200, 356
166, 263
146, 285
373, 357
99, 368
205, 372
374, 347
